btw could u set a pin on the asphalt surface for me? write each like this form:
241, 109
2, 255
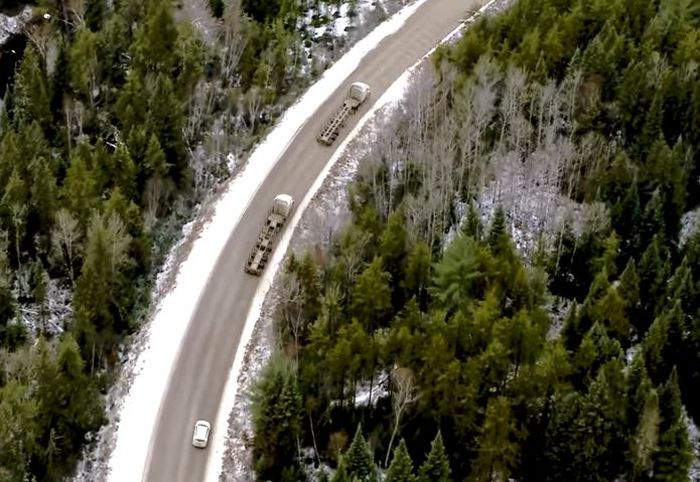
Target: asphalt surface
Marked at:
209, 346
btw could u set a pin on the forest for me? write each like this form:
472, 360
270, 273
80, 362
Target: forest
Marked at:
117, 123
425, 342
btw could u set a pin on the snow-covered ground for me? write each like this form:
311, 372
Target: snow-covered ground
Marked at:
10, 26
134, 400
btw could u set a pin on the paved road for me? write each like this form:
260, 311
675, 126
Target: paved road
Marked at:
211, 340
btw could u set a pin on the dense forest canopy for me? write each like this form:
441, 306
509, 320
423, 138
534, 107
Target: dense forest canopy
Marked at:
600, 99
118, 120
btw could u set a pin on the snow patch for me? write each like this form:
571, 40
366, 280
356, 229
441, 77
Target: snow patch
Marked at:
690, 225
10, 26
694, 434
534, 208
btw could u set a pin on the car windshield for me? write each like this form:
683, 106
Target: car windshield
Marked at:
201, 432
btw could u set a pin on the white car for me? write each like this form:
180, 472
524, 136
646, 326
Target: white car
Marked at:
202, 428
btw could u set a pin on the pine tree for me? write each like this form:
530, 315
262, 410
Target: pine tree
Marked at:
472, 226
629, 286
32, 101
401, 467
436, 467
277, 421
459, 273
664, 345
417, 273
674, 455
152, 49
497, 449
95, 14
371, 295
358, 459
79, 191
154, 162
498, 238
653, 273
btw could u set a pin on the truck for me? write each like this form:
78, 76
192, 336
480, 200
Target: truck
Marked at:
357, 94
281, 207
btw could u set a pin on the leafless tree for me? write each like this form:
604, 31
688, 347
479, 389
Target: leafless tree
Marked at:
293, 308
157, 191
19, 219
234, 40
119, 241
253, 103
201, 105
65, 240
404, 393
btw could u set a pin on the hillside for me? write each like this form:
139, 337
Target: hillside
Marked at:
519, 279
120, 119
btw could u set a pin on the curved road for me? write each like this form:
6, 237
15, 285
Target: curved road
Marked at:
200, 372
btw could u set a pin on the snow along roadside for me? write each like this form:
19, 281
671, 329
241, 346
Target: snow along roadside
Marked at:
393, 94
172, 316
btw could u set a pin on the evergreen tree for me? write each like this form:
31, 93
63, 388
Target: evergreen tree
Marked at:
32, 101
371, 295
458, 275
674, 455
498, 238
417, 273
401, 467
436, 467
629, 286
472, 226
152, 49
357, 461
95, 11
664, 344
497, 448
277, 422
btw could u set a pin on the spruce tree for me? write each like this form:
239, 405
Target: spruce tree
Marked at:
497, 232
674, 455
436, 467
401, 467
358, 461
629, 286
472, 225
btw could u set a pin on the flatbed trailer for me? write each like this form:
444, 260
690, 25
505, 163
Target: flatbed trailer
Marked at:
281, 207
358, 93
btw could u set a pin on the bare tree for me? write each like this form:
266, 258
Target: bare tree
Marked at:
403, 394
234, 41
19, 219
157, 191
119, 241
293, 308
253, 102
201, 105
65, 240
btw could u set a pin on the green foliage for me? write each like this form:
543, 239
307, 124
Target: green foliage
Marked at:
674, 455
277, 422
436, 467
357, 462
401, 467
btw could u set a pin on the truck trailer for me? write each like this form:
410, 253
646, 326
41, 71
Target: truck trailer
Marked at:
281, 207
358, 93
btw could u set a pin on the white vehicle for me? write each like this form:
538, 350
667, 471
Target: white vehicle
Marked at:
202, 428
281, 208
358, 93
